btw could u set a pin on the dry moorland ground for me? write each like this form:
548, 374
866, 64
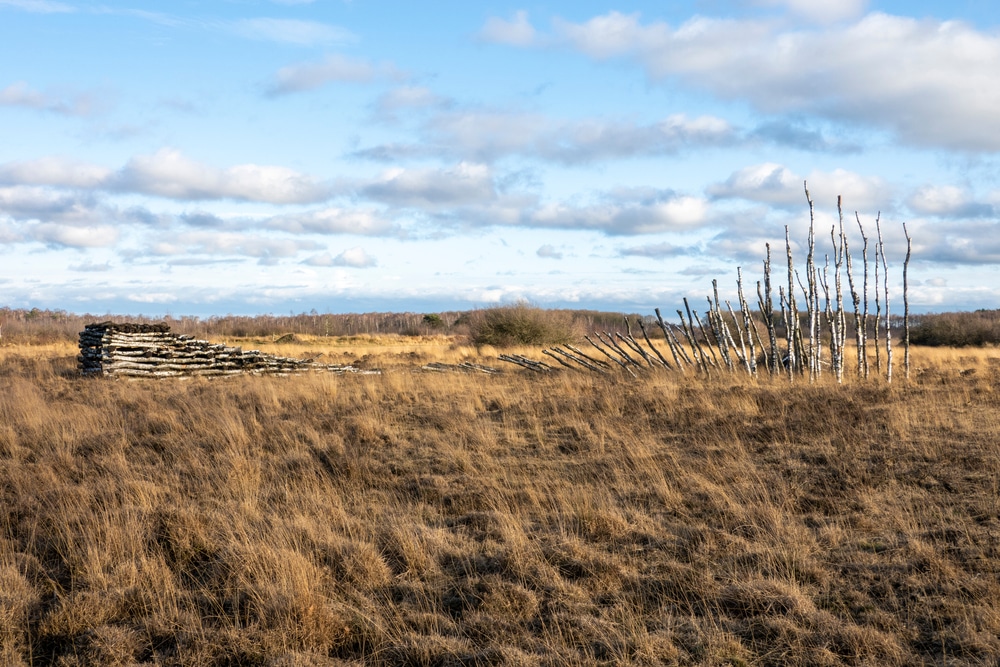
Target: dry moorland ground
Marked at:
446, 519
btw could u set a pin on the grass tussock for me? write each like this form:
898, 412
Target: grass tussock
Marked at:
430, 519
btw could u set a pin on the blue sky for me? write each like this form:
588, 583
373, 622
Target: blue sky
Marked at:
252, 156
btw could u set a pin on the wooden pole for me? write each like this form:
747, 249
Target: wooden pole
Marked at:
906, 304
888, 323
864, 317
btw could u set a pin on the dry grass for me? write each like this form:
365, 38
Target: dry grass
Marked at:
473, 520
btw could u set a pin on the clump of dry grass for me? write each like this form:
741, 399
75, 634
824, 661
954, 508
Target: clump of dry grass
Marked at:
514, 519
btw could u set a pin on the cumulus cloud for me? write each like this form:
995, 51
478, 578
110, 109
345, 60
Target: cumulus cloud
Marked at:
820, 11
292, 31
932, 83
264, 248
948, 201
90, 267
955, 242
74, 236
168, 173
624, 213
20, 94
54, 171
487, 135
355, 258
777, 185
466, 183
518, 31
334, 68
548, 251
656, 251
25, 203
335, 220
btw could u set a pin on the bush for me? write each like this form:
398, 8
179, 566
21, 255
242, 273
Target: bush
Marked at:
957, 329
521, 324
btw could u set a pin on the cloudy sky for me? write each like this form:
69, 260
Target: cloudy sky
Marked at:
252, 156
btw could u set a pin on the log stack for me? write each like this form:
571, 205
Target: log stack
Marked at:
151, 350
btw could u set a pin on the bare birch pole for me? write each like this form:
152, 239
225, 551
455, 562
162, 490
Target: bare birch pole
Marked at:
811, 296
906, 304
675, 348
864, 318
878, 306
742, 353
663, 359
793, 313
696, 351
859, 336
609, 356
888, 325
767, 312
747, 322
789, 336
708, 344
838, 283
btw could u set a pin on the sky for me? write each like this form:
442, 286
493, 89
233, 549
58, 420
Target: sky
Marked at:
282, 156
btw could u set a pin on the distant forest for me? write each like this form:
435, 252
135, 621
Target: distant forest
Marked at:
957, 329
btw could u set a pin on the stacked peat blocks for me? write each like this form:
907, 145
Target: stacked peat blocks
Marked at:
150, 350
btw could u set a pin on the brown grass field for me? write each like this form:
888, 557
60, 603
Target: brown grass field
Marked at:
445, 519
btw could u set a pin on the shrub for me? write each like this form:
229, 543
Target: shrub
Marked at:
957, 329
521, 324
434, 321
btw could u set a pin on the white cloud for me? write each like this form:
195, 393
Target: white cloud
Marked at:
39, 6
548, 251
656, 251
775, 184
73, 236
487, 135
933, 83
947, 201
292, 31
408, 98
167, 173
232, 244
356, 258
20, 94
516, 32
22, 202
664, 212
466, 183
820, 11
334, 220
54, 171
333, 68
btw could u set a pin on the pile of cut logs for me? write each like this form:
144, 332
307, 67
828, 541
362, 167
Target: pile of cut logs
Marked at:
151, 350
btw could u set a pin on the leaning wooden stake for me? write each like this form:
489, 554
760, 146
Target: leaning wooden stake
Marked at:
642, 328
680, 356
906, 304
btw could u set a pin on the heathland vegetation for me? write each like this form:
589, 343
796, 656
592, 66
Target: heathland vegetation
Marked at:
646, 507
565, 518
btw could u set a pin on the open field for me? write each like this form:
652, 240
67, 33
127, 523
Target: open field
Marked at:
440, 519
